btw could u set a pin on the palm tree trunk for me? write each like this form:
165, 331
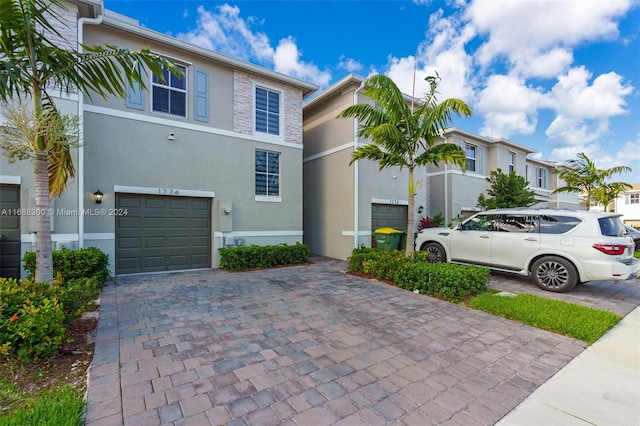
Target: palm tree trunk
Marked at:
410, 235
44, 260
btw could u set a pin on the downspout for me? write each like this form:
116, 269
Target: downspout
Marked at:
446, 188
356, 180
91, 21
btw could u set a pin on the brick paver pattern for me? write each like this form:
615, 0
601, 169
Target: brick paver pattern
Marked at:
306, 345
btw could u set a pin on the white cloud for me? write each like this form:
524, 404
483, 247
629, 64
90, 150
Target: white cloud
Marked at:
225, 31
442, 51
582, 110
349, 64
528, 32
508, 106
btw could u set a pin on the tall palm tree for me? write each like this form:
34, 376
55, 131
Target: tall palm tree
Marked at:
32, 65
403, 136
609, 192
583, 177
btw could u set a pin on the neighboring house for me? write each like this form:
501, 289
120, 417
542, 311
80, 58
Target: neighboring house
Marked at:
196, 163
628, 204
343, 206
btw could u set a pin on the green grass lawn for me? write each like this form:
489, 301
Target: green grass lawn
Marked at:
54, 407
579, 322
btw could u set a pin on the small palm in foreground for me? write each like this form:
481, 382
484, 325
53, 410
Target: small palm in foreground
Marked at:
403, 136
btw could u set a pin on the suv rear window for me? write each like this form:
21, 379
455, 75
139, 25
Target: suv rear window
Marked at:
550, 224
611, 226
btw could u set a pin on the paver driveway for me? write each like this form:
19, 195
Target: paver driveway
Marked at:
306, 345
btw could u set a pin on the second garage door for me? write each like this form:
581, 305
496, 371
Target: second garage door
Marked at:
162, 233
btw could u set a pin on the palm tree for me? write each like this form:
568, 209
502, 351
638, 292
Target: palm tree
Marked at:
583, 177
609, 192
31, 66
403, 136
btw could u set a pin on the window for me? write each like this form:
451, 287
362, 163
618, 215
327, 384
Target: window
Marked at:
558, 224
541, 178
267, 173
480, 222
632, 199
470, 151
517, 223
170, 95
512, 161
267, 111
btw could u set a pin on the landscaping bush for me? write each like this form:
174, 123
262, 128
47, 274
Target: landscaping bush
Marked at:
74, 264
31, 319
446, 280
256, 257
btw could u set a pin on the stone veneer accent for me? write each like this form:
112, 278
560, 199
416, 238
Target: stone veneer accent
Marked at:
243, 114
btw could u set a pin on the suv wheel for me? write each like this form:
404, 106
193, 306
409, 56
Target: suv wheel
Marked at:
555, 274
436, 252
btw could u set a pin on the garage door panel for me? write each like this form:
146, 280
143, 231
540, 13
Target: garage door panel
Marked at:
172, 232
124, 222
10, 244
128, 243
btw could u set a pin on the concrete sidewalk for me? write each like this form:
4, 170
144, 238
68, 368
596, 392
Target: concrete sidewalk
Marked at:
601, 386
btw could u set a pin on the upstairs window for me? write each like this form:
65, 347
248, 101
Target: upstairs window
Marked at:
267, 111
632, 199
471, 152
541, 178
170, 96
512, 161
267, 173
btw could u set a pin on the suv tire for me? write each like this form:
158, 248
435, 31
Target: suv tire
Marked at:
436, 252
553, 273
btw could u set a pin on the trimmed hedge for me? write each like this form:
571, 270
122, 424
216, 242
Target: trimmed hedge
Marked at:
74, 264
244, 258
448, 281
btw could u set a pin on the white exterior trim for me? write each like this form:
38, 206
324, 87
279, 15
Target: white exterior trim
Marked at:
268, 199
11, 180
185, 125
291, 233
328, 152
30, 238
100, 236
389, 201
174, 192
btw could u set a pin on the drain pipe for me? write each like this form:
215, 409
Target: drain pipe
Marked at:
356, 180
90, 21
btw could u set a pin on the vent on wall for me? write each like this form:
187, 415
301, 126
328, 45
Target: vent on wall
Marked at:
229, 241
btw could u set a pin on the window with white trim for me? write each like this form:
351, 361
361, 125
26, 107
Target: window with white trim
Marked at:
267, 111
512, 161
541, 177
170, 96
471, 153
633, 199
267, 173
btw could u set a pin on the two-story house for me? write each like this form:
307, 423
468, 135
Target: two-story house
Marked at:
195, 163
344, 205
628, 204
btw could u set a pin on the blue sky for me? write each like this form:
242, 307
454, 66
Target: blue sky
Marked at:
560, 76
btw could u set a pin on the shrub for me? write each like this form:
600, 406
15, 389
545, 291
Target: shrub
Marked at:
358, 256
385, 264
33, 315
31, 318
449, 281
74, 264
256, 257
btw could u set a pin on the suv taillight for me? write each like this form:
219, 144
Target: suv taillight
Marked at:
612, 249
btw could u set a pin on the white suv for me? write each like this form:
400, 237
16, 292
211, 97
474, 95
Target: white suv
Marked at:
557, 248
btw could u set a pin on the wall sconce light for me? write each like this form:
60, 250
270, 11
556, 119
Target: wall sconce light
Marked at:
420, 210
97, 196
172, 136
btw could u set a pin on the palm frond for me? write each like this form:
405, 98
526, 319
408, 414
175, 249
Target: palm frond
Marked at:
447, 153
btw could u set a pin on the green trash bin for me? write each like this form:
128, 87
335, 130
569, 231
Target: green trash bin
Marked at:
402, 245
387, 239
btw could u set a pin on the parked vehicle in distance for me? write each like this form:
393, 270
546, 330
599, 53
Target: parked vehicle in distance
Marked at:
557, 248
634, 234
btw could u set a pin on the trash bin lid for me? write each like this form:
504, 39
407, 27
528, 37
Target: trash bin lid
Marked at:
387, 231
